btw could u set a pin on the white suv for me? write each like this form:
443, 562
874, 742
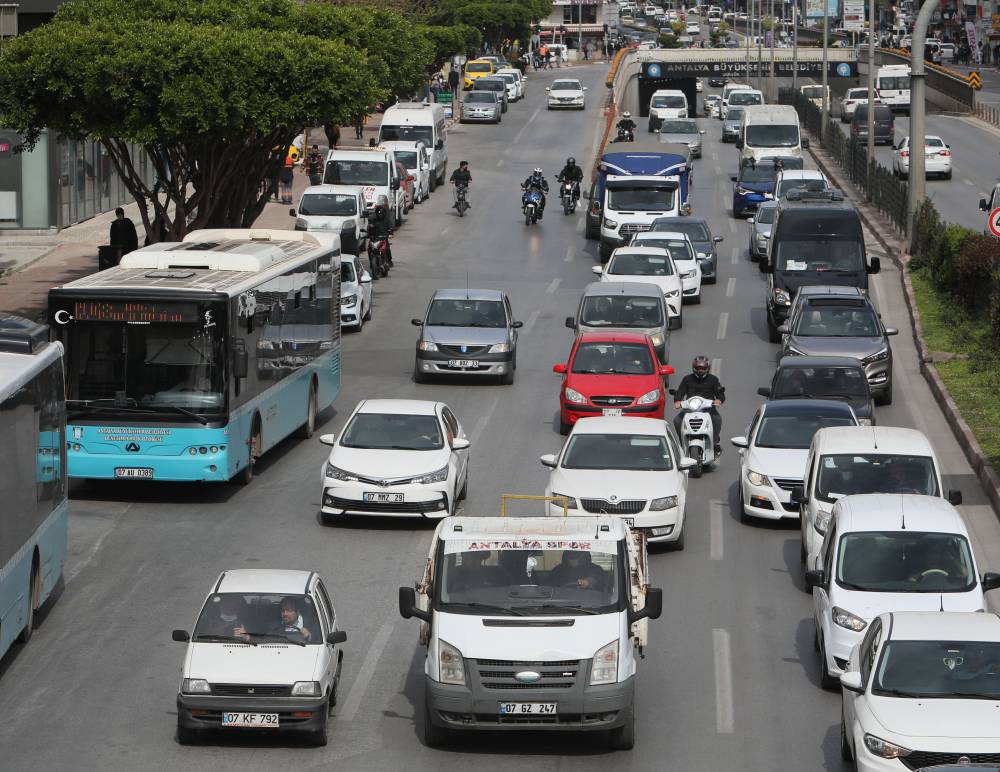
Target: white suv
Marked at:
265, 655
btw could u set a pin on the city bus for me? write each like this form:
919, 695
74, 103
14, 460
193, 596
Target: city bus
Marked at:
189, 360
34, 513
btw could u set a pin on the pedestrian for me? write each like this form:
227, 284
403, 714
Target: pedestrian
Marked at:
313, 166
548, 59
122, 233
359, 125
332, 131
286, 179
453, 79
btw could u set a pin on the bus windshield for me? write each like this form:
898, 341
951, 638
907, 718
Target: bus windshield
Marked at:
894, 83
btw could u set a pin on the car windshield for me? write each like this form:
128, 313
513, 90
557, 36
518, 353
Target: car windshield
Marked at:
734, 114
837, 323
466, 313
613, 359
328, 205
485, 97
629, 452
933, 142
788, 431
745, 98
256, 618
507, 77
669, 101
519, 577
679, 249
361, 172
788, 183
857, 93
894, 83
765, 214
393, 431
956, 669
819, 254
640, 264
479, 67
647, 198
679, 127
566, 85
819, 382
850, 474
489, 84
406, 157
812, 92
758, 173
772, 136
346, 272
693, 229
408, 133
905, 561
621, 311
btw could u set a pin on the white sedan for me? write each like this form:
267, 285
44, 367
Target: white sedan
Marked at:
566, 93
647, 265
355, 292
625, 466
693, 28
396, 458
937, 157
921, 689
682, 252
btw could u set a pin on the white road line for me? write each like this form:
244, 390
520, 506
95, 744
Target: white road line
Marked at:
716, 367
499, 163
484, 419
720, 333
553, 285
731, 287
444, 231
360, 685
732, 225
718, 169
968, 182
715, 534
569, 254
581, 225
723, 681
532, 318
524, 128
736, 256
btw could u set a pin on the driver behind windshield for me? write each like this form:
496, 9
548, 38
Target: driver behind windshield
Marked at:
291, 624
577, 569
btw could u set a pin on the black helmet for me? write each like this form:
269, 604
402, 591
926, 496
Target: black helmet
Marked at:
571, 161
701, 366
463, 163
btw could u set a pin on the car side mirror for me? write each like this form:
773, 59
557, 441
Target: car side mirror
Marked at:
797, 494
805, 142
874, 265
891, 331
739, 442
686, 463
718, 239
653, 607
732, 177
417, 322
991, 581
559, 368
750, 219
291, 212
571, 322
984, 205
365, 277
816, 578
702, 131
328, 439
549, 460
241, 360
597, 270
460, 443
739, 144
586, 88
548, 88
181, 636
395, 185
408, 605
851, 680
955, 497
764, 391
666, 370
517, 325
337, 636
372, 142
783, 329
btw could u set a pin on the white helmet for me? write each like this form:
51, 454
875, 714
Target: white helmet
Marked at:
537, 171
626, 114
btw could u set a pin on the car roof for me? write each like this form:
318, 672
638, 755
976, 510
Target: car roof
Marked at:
264, 580
638, 250
342, 189
612, 337
801, 174
791, 361
619, 425
467, 294
890, 511
398, 406
596, 288
807, 407
892, 440
944, 626
651, 234
598, 528
830, 289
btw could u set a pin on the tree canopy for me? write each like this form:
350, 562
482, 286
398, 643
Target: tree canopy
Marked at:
497, 21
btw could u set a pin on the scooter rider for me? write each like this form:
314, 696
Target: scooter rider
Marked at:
626, 124
539, 183
574, 174
701, 383
379, 226
461, 177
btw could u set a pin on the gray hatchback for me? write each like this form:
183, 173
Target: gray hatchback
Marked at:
467, 332
700, 232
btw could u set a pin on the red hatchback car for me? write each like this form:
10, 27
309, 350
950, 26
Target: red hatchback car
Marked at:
611, 374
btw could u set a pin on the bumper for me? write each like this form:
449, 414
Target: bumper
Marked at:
431, 363
210, 467
350, 316
868, 762
749, 202
931, 166
661, 527
767, 502
576, 104
430, 501
205, 712
593, 708
708, 267
485, 117
570, 414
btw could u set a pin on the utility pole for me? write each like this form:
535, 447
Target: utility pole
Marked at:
760, 44
871, 96
918, 105
579, 33
824, 102
772, 94
746, 30
795, 46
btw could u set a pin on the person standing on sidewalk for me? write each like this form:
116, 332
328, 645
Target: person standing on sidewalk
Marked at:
332, 131
454, 80
122, 233
286, 179
313, 166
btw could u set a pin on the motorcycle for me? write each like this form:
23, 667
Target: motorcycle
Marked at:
378, 256
568, 195
461, 200
696, 433
624, 135
531, 203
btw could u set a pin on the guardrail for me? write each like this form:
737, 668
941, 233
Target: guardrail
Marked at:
988, 113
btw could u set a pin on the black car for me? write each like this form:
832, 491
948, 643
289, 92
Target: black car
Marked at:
718, 80
843, 378
885, 127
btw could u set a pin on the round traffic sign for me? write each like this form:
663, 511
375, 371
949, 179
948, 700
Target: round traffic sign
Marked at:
994, 222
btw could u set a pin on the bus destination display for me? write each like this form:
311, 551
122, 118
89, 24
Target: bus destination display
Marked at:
134, 311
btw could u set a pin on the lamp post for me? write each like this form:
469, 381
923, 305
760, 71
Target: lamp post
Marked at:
826, 53
918, 129
871, 96
795, 46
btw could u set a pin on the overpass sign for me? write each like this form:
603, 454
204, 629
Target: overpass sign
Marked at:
660, 69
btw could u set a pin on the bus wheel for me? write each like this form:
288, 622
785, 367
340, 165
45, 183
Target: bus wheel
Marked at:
34, 593
245, 475
305, 431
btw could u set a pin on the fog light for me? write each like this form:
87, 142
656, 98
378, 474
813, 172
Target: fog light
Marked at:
666, 531
212, 468
203, 450
214, 448
426, 366
76, 446
302, 714
193, 451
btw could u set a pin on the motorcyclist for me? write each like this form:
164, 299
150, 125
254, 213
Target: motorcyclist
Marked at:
626, 124
461, 177
537, 181
380, 227
701, 383
574, 174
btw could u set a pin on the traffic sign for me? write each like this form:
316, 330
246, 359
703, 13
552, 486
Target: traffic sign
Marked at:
974, 80
994, 222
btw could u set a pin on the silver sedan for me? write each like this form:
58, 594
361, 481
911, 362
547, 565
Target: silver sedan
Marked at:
480, 106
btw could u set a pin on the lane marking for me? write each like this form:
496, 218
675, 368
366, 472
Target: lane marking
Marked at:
553, 285
968, 182
580, 225
532, 318
731, 287
484, 419
723, 681
499, 163
720, 332
524, 128
736, 256
716, 367
569, 254
715, 534
444, 231
718, 169
361, 683
732, 225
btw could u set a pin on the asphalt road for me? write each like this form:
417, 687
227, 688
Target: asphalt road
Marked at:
730, 680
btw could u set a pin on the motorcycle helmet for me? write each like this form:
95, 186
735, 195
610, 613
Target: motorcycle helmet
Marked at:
537, 171
626, 115
571, 161
700, 365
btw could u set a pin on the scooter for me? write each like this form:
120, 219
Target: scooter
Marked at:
378, 256
624, 135
567, 195
696, 433
531, 202
461, 202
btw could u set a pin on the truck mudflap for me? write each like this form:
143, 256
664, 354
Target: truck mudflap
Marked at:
638, 582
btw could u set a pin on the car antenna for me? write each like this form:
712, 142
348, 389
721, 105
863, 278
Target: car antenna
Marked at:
941, 608
902, 514
466, 282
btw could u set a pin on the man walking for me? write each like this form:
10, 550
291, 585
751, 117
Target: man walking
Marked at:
313, 166
122, 233
454, 80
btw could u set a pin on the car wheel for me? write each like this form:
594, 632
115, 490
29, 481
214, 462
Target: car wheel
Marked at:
318, 737
508, 377
802, 549
305, 431
696, 299
885, 398
465, 487
433, 181
826, 680
846, 753
946, 175
418, 375
368, 314
564, 427
434, 736
623, 737
245, 475
773, 336
677, 322
745, 517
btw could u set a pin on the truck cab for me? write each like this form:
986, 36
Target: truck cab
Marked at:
532, 623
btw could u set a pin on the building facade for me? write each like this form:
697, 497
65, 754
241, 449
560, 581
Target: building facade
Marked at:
573, 21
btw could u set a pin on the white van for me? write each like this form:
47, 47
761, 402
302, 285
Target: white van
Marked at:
419, 122
374, 171
770, 130
892, 86
848, 460
632, 202
336, 209
666, 104
728, 89
532, 623
746, 97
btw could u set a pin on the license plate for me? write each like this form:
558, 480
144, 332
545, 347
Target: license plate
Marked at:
612, 411
463, 363
254, 720
629, 521
384, 498
133, 472
528, 708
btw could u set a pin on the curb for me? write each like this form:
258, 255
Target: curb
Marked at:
989, 480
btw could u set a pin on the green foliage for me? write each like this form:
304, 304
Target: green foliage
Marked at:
668, 41
448, 41
497, 20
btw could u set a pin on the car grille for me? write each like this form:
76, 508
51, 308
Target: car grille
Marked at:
620, 401
251, 690
786, 483
600, 506
456, 351
405, 507
554, 675
631, 228
921, 759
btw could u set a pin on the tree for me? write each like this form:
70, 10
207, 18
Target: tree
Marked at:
497, 20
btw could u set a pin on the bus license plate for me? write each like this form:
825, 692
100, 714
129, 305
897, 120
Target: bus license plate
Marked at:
133, 472
464, 364
528, 708
252, 720
612, 411
384, 498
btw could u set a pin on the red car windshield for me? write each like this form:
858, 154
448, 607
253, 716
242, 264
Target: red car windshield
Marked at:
613, 359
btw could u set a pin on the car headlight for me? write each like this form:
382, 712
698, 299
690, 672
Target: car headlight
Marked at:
451, 668
756, 478
499, 348
426, 345
306, 689
878, 356
572, 395
742, 191
348, 300
339, 474
438, 475
884, 748
611, 224
694, 145
605, 667
689, 274
662, 503
195, 686
864, 422
570, 500
671, 293
657, 339
847, 620
822, 521
649, 398
781, 296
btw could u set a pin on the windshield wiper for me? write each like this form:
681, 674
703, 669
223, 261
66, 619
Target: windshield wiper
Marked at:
969, 695
276, 637
902, 693
177, 409
489, 607
223, 639
853, 586
559, 608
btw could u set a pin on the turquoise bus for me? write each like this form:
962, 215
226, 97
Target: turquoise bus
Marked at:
189, 360
34, 509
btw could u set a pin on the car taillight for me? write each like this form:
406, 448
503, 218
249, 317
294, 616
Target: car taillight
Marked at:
892, 129
904, 153
944, 152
